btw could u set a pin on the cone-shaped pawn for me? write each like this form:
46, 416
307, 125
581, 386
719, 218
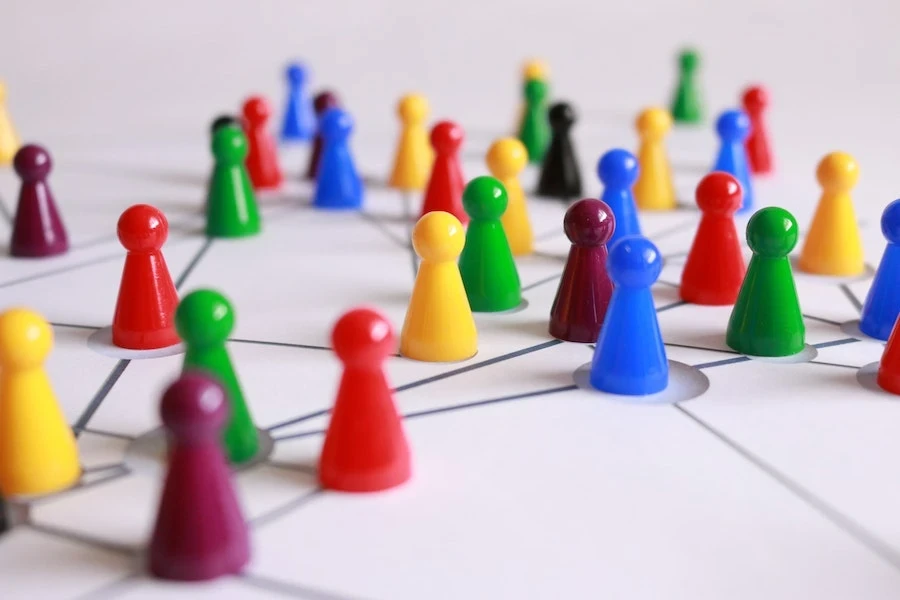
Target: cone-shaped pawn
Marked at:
323, 101
9, 140
687, 103
532, 69
412, 161
733, 127
299, 123
654, 188
560, 172
755, 101
618, 170
38, 229
231, 209
882, 305
535, 130
506, 159
445, 185
262, 154
888, 377
338, 185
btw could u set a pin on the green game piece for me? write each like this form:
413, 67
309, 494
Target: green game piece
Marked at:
535, 131
766, 319
231, 209
204, 320
687, 106
486, 264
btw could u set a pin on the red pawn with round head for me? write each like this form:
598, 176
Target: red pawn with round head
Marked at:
757, 144
446, 183
262, 156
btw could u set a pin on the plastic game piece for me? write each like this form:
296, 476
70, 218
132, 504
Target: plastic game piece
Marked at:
365, 448
323, 101
222, 121
630, 358
532, 69
262, 155
412, 162
38, 230
9, 140
145, 309
535, 130
445, 185
687, 105
766, 319
38, 454
618, 170
888, 377
585, 288
231, 209
882, 305
733, 127
755, 101
654, 188
506, 159
833, 245
486, 264
204, 320
338, 186
200, 533
560, 173
299, 123
439, 326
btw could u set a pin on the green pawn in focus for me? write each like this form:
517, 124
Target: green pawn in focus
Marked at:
204, 320
486, 264
766, 319
535, 131
687, 107
231, 209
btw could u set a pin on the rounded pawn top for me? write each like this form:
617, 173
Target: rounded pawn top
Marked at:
229, 144
561, 116
535, 69
837, 172
142, 228
32, 162
634, 262
506, 158
412, 108
257, 110
446, 137
536, 90
295, 73
688, 60
363, 337
719, 193
25, 339
589, 222
324, 100
438, 236
618, 168
204, 318
653, 123
336, 124
755, 98
733, 125
194, 406
485, 198
222, 121
890, 222
772, 232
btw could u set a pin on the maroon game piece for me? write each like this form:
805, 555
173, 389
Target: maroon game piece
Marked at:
262, 155
322, 102
200, 532
445, 185
759, 151
585, 288
38, 229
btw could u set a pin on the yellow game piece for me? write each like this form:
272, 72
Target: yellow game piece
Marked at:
535, 69
654, 189
38, 454
9, 141
439, 326
412, 162
833, 246
505, 159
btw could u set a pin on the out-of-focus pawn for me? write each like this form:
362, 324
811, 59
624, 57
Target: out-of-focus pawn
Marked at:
38, 230
299, 122
533, 69
412, 162
535, 131
222, 121
231, 209
9, 140
322, 103
618, 170
882, 305
755, 101
338, 185
687, 103
733, 127
262, 155
445, 185
560, 172
506, 159
654, 188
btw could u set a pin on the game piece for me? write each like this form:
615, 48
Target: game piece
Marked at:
535, 131
9, 140
882, 305
630, 358
338, 186
532, 70
757, 146
299, 122
145, 309
618, 170
445, 185
766, 319
486, 264
687, 106
412, 162
204, 320
365, 448
262, 155
222, 121
38, 230
322, 102
439, 326
654, 188
200, 533
888, 376
231, 209
506, 158
585, 288
832, 245
714, 269
38, 454
560, 173
733, 126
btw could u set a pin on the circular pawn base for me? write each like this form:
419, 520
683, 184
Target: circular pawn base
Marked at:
851, 328
801, 275
685, 383
509, 311
806, 355
867, 377
101, 342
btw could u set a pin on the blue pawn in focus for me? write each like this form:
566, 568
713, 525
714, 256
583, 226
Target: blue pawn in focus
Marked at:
733, 128
882, 306
630, 357
618, 170
338, 185
299, 118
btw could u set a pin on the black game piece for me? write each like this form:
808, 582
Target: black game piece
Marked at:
560, 173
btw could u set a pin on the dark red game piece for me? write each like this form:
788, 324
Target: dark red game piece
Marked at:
145, 310
759, 151
38, 229
365, 447
445, 186
585, 288
262, 155
715, 265
321, 103
200, 532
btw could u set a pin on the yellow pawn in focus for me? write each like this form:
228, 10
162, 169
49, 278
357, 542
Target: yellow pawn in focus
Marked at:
38, 454
9, 141
654, 189
412, 162
439, 326
506, 159
833, 246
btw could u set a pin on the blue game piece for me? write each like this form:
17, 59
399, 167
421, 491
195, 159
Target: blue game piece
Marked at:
630, 357
299, 118
338, 185
733, 128
618, 170
882, 306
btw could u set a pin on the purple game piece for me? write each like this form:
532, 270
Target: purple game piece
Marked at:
322, 102
200, 532
585, 288
38, 229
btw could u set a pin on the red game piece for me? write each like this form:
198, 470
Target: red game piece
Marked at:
445, 186
38, 229
715, 265
759, 152
889, 369
365, 447
145, 310
262, 155
200, 532
321, 103
585, 288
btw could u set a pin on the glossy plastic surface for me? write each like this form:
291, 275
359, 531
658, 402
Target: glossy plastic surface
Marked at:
445, 184
262, 154
506, 159
324, 100
560, 172
413, 158
338, 185
882, 305
687, 103
618, 170
654, 188
755, 101
9, 139
38, 230
535, 129
231, 209
299, 122
733, 127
